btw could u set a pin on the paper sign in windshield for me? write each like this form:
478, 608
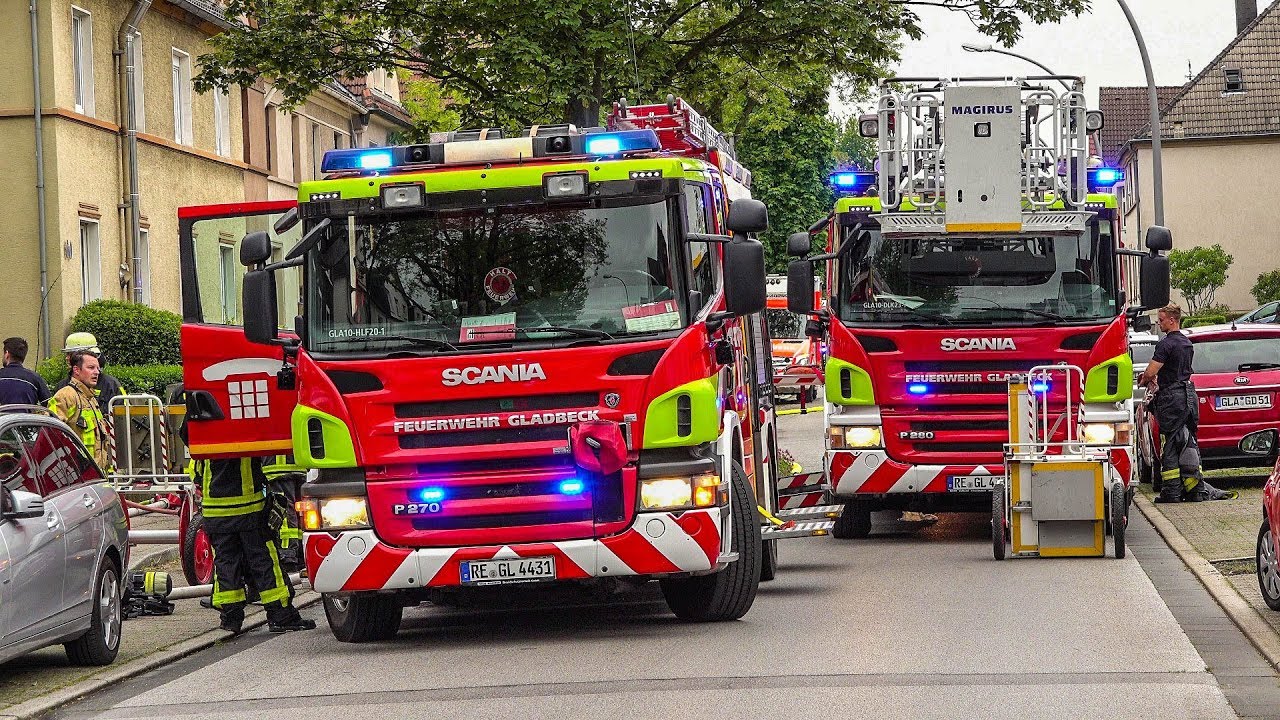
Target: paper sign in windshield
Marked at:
487, 328
652, 317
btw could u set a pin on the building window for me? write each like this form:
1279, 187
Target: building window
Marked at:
144, 264
82, 59
1234, 80
227, 281
222, 122
317, 152
182, 97
90, 261
139, 107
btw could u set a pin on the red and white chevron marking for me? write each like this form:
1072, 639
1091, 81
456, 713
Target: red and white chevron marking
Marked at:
656, 543
872, 471
1122, 465
796, 482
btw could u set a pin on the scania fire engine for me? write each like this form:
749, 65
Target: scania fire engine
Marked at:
516, 359
983, 244
797, 358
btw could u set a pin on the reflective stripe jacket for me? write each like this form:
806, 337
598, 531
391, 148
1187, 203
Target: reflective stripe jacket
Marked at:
235, 493
76, 406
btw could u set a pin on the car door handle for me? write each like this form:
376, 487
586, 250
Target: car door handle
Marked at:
90, 501
51, 520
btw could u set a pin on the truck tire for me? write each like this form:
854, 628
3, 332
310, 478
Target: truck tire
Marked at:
1119, 517
854, 522
768, 560
999, 525
729, 593
197, 553
99, 645
363, 617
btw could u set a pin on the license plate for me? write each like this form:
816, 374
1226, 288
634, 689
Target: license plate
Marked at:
1242, 402
483, 572
973, 483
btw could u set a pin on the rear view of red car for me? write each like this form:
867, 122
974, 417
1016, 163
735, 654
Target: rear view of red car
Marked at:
1237, 380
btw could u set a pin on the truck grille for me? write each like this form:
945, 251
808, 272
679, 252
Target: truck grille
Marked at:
442, 439
562, 401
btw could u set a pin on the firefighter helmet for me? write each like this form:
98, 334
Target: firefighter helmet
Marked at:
82, 342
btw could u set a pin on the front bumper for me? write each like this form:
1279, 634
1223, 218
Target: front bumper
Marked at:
853, 472
655, 544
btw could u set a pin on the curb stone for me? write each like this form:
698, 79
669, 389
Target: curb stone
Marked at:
113, 674
1245, 616
152, 559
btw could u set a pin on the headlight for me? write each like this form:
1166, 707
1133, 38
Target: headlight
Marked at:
337, 513
681, 493
1106, 433
855, 437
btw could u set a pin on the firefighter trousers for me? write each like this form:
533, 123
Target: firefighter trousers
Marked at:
1180, 472
249, 557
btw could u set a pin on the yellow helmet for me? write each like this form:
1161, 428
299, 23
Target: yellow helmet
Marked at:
82, 342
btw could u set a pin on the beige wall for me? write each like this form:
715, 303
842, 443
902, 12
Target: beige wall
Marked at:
83, 171
1217, 192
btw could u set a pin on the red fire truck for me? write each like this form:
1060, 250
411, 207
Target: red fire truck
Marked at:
515, 359
984, 245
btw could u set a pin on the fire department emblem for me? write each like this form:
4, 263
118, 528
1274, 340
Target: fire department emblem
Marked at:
611, 400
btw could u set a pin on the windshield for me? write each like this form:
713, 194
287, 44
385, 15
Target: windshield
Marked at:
1226, 356
446, 279
973, 280
784, 324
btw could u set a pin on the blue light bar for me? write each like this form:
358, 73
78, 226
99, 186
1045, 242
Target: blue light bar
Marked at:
431, 494
1105, 177
850, 181
918, 388
1040, 386
572, 487
357, 159
616, 143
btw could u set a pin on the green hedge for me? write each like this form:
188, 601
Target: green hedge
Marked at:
1197, 321
131, 334
135, 379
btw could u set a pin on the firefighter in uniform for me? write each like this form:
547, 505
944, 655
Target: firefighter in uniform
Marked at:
284, 479
76, 405
108, 386
237, 520
1176, 408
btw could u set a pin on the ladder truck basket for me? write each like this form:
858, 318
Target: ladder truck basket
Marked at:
982, 155
147, 454
1055, 500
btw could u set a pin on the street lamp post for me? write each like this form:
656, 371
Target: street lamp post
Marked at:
1157, 170
973, 48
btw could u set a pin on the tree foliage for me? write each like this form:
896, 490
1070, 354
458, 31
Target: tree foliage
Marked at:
1267, 287
1198, 273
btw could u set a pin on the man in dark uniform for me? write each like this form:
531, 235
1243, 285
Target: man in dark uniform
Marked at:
18, 385
1176, 408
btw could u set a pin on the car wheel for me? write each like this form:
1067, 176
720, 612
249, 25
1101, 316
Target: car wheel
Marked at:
1268, 572
101, 643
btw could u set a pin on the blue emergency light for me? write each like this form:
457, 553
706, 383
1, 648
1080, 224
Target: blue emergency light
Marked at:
357, 159
1040, 387
616, 143
852, 181
1105, 177
572, 487
918, 388
431, 494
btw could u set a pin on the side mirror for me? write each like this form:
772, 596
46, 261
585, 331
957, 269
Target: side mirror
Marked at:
1155, 281
261, 321
800, 287
1262, 442
747, 217
1159, 239
24, 505
286, 221
744, 283
799, 244
255, 249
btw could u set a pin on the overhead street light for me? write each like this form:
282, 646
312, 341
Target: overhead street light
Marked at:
974, 48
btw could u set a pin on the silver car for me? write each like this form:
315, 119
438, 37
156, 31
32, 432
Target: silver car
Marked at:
63, 545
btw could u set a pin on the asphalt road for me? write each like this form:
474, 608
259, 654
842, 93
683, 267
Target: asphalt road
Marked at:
908, 624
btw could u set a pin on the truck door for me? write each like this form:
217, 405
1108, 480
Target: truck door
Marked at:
235, 405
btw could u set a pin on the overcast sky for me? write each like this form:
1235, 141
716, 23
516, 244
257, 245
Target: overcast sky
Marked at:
1098, 45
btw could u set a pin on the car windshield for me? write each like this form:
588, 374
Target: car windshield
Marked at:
950, 280
1227, 355
445, 279
784, 324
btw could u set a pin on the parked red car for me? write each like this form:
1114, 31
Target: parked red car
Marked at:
1268, 569
1237, 379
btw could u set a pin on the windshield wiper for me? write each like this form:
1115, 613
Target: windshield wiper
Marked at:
527, 331
1249, 367
1038, 313
940, 319
425, 342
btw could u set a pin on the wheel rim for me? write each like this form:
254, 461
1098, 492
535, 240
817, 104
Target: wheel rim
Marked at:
203, 557
1267, 566
339, 604
109, 609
